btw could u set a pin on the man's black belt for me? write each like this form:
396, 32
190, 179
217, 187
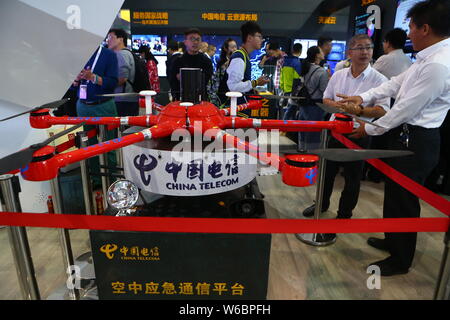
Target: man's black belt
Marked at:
93, 103
406, 127
418, 128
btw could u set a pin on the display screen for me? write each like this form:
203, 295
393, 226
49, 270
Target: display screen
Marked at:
306, 44
337, 51
255, 59
156, 43
361, 26
402, 22
161, 65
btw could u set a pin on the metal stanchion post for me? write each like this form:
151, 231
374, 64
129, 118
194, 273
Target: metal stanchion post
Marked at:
319, 239
119, 151
103, 162
64, 237
86, 181
84, 259
443, 284
19, 243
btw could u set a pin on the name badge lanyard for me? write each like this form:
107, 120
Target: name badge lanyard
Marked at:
96, 59
83, 87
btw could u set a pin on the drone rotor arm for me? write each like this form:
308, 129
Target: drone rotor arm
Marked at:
49, 168
287, 125
46, 121
271, 159
110, 145
23, 157
296, 125
250, 105
143, 121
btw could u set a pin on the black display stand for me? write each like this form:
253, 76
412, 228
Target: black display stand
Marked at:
168, 266
150, 265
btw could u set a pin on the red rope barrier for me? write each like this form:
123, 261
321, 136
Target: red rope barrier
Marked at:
436, 201
216, 225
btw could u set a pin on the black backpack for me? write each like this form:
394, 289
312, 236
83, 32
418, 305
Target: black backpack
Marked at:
302, 91
141, 79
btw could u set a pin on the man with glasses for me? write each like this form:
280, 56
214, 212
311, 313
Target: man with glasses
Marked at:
193, 58
358, 78
422, 100
240, 69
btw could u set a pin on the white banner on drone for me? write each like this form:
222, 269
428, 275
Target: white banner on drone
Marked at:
207, 173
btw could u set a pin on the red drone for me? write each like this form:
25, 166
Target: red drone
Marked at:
42, 162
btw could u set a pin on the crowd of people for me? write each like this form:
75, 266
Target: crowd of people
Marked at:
409, 101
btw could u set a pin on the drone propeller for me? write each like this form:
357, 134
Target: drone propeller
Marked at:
345, 155
51, 105
23, 157
331, 109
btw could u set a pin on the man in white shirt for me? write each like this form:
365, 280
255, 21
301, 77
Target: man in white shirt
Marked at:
422, 100
391, 64
394, 61
360, 77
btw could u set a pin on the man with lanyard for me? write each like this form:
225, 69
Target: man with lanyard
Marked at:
358, 78
240, 69
99, 76
422, 100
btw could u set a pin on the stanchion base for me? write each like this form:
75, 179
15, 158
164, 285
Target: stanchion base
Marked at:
88, 291
317, 239
86, 265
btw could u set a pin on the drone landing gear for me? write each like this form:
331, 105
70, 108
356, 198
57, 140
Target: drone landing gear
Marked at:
251, 205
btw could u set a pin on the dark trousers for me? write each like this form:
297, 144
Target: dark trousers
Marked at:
291, 112
400, 203
352, 176
309, 140
372, 174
